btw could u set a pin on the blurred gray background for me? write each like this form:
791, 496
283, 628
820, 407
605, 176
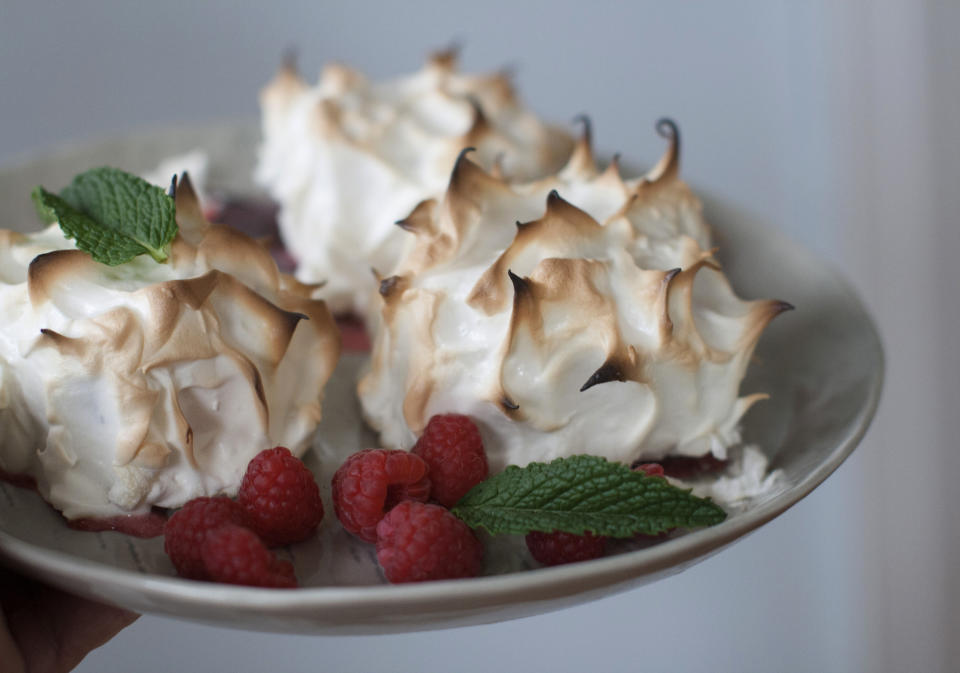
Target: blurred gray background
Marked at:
836, 121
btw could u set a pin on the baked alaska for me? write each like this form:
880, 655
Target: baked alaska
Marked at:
147, 384
581, 313
348, 157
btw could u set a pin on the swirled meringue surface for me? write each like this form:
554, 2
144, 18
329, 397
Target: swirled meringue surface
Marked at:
581, 313
148, 384
348, 157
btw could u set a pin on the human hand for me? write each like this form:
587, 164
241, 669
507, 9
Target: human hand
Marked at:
45, 630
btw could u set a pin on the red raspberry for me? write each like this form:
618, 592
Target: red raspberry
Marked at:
557, 548
417, 542
650, 469
186, 530
280, 497
452, 447
235, 555
689, 467
371, 482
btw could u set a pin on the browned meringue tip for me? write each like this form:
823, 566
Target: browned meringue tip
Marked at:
502, 83
581, 159
421, 218
667, 128
46, 269
508, 404
558, 206
762, 314
770, 309
186, 186
525, 306
612, 171
586, 135
284, 85
188, 213
468, 176
778, 306
460, 162
446, 58
520, 285
607, 372
669, 164
63, 343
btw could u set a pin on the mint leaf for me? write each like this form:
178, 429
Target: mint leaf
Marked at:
104, 245
112, 215
45, 212
579, 494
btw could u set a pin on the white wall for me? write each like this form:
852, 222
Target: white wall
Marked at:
839, 122
891, 94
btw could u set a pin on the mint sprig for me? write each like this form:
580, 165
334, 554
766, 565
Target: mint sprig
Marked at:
580, 494
112, 215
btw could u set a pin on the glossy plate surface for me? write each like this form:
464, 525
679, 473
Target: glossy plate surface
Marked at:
822, 365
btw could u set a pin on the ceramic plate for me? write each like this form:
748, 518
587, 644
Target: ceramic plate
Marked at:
822, 365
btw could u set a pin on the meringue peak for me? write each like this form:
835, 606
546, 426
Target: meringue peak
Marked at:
149, 384
520, 300
349, 156
669, 164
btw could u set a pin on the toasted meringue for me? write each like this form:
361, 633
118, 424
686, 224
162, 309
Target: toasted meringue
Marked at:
149, 384
347, 158
604, 327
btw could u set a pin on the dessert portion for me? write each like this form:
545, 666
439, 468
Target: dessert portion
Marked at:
578, 314
147, 384
348, 157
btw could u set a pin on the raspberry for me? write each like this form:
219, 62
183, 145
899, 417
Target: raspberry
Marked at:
417, 542
371, 482
186, 530
280, 497
452, 447
650, 469
235, 555
557, 548
688, 467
